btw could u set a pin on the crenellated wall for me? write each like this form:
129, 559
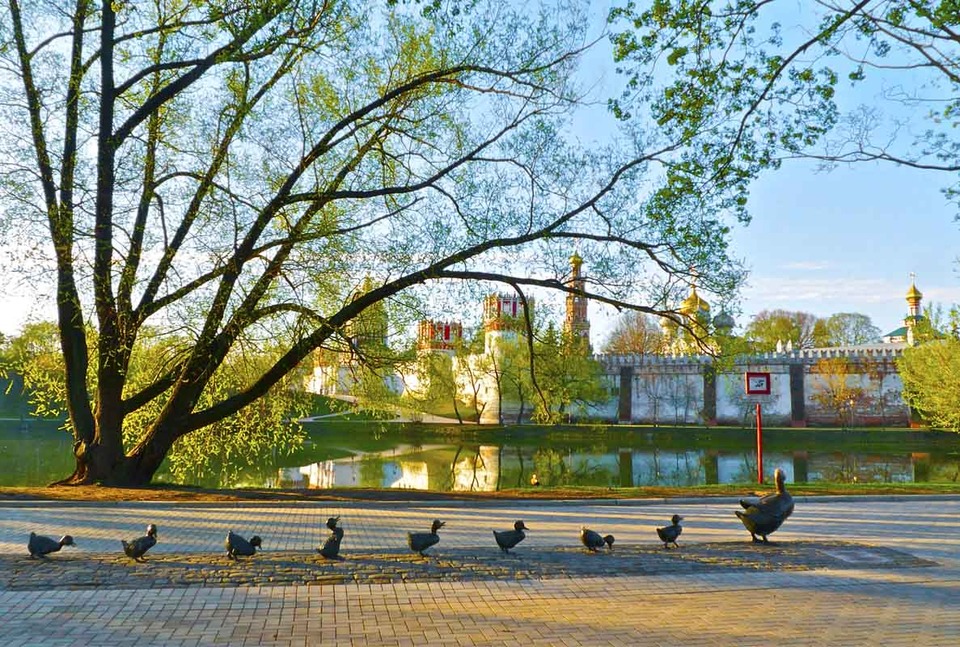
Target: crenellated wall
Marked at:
655, 389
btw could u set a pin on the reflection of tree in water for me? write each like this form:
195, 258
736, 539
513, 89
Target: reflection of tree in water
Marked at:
555, 468
851, 469
473, 464
371, 470
947, 471
747, 471
673, 468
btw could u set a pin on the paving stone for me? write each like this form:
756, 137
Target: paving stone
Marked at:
888, 574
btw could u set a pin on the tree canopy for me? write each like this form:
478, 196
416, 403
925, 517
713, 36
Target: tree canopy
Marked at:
634, 333
770, 327
228, 175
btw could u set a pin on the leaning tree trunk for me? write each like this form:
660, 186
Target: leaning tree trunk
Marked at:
100, 463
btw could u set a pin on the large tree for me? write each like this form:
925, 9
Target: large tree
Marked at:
635, 334
839, 81
231, 173
847, 328
930, 371
770, 327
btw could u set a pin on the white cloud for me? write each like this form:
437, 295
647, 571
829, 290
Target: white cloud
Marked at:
808, 266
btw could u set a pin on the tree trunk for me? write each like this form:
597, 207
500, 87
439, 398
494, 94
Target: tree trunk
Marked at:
99, 464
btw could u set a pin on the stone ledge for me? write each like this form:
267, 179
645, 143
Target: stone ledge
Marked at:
113, 571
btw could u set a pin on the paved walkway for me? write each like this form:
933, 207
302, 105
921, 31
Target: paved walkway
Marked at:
858, 571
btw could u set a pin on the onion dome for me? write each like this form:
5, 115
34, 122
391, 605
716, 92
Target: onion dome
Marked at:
694, 305
723, 321
913, 294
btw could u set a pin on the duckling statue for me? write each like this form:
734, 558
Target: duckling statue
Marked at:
594, 540
420, 541
237, 545
669, 534
331, 547
766, 515
40, 546
507, 539
137, 548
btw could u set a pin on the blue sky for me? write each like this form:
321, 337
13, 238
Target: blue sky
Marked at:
846, 240
841, 241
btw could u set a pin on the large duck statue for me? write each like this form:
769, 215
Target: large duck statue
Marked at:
766, 515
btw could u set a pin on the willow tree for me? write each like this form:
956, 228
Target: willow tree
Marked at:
232, 172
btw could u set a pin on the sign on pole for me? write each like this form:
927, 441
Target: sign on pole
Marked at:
758, 383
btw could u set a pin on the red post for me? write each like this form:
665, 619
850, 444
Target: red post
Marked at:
759, 445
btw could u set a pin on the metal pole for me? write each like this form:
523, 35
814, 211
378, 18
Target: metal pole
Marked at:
759, 445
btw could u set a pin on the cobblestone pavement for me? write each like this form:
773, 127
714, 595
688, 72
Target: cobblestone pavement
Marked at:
849, 571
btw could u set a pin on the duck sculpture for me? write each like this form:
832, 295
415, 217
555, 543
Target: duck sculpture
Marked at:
237, 545
420, 541
507, 539
137, 548
40, 546
331, 547
669, 534
594, 540
766, 515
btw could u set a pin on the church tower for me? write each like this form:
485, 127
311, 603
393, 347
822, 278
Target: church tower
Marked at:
576, 324
914, 296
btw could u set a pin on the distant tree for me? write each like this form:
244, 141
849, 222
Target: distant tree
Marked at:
845, 329
566, 379
636, 333
771, 326
35, 355
833, 389
931, 381
654, 386
437, 383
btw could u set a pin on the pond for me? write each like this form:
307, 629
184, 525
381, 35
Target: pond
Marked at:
455, 458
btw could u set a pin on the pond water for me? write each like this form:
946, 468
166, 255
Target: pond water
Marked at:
454, 458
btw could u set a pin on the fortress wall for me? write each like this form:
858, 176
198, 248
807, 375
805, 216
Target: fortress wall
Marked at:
677, 390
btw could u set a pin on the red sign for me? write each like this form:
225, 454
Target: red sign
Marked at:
757, 383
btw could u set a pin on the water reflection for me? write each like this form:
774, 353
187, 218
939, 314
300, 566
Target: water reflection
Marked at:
458, 459
492, 467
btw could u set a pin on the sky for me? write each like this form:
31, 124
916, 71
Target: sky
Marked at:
847, 240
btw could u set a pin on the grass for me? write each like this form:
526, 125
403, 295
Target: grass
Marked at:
181, 493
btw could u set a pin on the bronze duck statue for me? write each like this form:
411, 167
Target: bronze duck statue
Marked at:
136, 548
420, 541
331, 547
593, 540
669, 534
765, 516
237, 545
507, 539
40, 546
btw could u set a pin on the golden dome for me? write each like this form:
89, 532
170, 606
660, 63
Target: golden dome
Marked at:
693, 304
913, 294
